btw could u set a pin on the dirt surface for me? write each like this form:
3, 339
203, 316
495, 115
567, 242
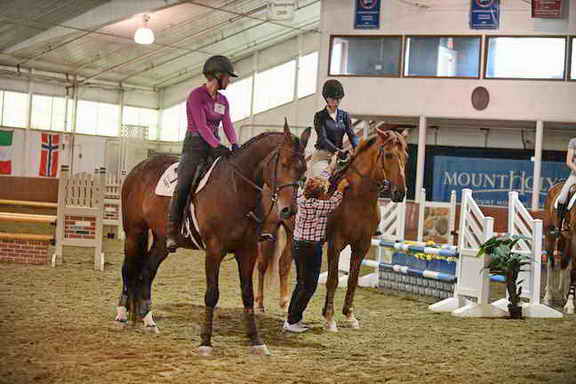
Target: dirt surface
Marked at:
57, 327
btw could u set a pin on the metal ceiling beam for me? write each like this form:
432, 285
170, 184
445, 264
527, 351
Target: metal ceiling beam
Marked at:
41, 26
100, 15
299, 29
154, 52
91, 62
199, 50
260, 45
64, 78
246, 15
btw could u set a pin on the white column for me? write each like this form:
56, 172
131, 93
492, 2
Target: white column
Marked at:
252, 98
29, 106
421, 158
537, 165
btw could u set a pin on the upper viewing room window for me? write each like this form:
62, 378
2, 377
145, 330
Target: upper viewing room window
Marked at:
573, 60
526, 58
439, 56
365, 55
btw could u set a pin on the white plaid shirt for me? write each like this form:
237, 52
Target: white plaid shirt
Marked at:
312, 216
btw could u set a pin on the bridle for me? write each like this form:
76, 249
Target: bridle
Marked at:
276, 188
380, 185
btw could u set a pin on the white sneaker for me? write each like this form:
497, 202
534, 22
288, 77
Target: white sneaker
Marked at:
296, 328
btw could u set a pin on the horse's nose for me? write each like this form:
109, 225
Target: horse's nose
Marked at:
286, 212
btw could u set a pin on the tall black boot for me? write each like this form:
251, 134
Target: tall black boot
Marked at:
561, 212
176, 209
173, 224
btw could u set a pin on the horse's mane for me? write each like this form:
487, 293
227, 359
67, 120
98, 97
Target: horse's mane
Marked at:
256, 139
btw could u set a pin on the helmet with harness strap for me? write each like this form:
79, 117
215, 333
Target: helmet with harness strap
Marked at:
218, 65
333, 89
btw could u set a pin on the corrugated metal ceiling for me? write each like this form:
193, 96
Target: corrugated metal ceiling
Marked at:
187, 32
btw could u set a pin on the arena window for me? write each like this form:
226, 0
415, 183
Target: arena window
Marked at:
442, 56
307, 72
274, 86
573, 58
525, 57
142, 116
174, 123
48, 112
239, 95
95, 118
365, 56
15, 109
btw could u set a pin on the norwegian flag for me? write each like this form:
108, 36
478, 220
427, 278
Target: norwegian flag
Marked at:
50, 155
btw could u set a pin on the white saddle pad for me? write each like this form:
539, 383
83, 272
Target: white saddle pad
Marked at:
167, 182
166, 186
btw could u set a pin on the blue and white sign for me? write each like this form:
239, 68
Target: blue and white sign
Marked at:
485, 14
492, 179
367, 14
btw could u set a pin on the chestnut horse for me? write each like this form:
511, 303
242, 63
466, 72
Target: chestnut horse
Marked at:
378, 161
224, 209
561, 253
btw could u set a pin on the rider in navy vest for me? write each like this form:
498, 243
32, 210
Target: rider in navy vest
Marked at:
331, 123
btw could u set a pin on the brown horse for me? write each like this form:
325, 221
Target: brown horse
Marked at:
275, 256
561, 254
376, 161
225, 213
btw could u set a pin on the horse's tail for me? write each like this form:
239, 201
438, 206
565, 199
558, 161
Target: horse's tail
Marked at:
272, 274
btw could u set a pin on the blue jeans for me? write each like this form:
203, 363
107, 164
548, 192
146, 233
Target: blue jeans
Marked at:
308, 259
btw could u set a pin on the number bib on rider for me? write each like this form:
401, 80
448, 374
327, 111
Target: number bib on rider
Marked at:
219, 108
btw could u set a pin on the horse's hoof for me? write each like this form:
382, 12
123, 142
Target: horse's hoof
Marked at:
569, 308
261, 350
121, 323
353, 323
152, 329
205, 350
261, 310
331, 326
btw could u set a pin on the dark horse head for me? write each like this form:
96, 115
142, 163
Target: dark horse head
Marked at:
282, 169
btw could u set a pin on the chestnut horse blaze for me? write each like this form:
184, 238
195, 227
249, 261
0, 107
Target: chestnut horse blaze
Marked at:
378, 161
223, 206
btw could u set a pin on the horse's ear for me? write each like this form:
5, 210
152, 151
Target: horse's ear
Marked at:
286, 127
384, 135
405, 132
304, 138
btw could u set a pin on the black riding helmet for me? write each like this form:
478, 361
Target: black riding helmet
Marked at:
218, 64
333, 89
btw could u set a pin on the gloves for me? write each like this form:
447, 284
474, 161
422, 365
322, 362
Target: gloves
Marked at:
235, 147
343, 155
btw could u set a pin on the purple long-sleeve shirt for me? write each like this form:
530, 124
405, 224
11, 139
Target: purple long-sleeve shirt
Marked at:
205, 115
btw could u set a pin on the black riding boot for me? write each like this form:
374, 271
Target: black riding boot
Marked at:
194, 152
561, 212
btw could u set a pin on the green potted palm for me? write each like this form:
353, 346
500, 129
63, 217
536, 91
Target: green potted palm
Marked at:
504, 261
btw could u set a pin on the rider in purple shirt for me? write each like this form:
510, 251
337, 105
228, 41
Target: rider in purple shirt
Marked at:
206, 108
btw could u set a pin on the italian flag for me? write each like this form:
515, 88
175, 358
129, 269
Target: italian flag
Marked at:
6, 152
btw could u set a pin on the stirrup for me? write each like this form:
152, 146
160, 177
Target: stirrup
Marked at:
265, 236
171, 245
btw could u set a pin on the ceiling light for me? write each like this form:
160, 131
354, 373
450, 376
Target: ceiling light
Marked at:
144, 35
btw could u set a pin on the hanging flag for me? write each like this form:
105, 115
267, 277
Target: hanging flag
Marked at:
6, 152
485, 14
367, 14
49, 155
